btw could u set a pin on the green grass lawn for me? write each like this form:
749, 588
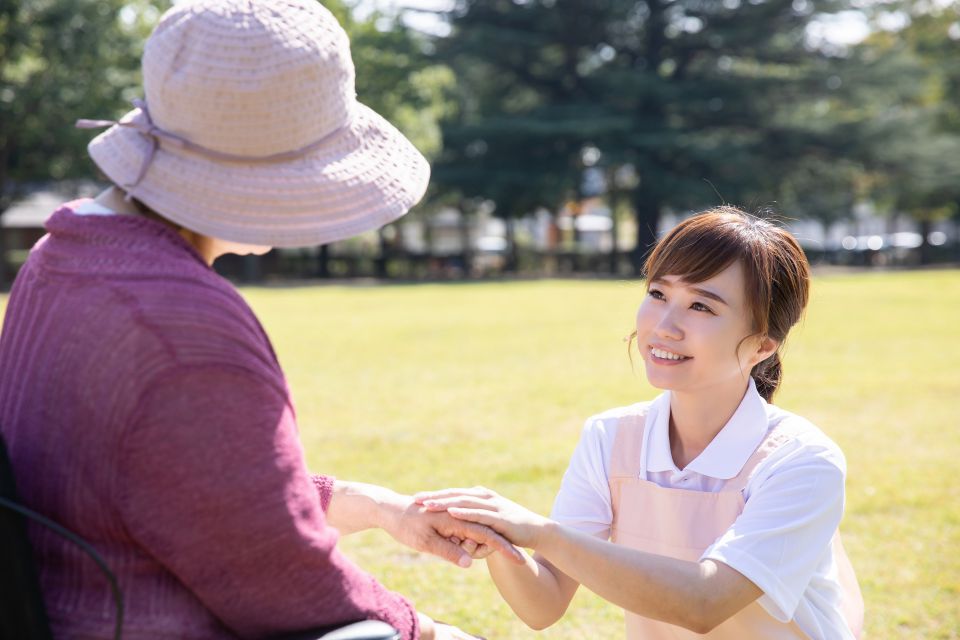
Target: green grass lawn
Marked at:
429, 386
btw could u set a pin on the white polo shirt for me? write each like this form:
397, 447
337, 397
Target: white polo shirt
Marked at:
794, 502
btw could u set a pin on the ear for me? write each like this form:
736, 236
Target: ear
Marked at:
766, 347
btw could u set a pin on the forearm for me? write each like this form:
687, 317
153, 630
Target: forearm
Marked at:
356, 506
697, 596
531, 589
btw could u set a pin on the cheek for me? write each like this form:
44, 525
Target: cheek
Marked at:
645, 317
643, 326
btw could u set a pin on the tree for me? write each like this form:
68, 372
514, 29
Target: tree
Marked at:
59, 61
523, 113
697, 97
915, 168
397, 79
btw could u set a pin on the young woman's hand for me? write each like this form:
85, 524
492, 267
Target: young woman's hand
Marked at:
519, 525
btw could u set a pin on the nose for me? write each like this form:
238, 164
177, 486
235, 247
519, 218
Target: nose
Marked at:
667, 326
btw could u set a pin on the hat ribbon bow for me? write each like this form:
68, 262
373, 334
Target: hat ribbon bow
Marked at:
141, 121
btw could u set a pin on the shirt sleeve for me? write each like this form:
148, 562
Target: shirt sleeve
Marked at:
215, 488
785, 530
583, 501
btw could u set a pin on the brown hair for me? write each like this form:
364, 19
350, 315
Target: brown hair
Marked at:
775, 268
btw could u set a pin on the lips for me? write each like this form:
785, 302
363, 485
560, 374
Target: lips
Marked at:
664, 354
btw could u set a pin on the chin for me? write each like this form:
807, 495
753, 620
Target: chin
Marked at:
659, 381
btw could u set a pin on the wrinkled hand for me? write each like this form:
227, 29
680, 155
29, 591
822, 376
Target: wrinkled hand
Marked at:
477, 551
478, 505
443, 535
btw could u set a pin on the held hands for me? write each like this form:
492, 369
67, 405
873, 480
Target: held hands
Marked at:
519, 525
440, 533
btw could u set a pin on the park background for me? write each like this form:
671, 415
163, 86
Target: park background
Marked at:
564, 136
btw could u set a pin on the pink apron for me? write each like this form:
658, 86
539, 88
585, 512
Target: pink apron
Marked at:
697, 519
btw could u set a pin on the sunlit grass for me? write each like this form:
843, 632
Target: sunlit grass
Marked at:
428, 386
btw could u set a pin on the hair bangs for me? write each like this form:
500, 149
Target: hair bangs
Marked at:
699, 249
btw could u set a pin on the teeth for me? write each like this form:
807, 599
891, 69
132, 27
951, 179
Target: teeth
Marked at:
666, 355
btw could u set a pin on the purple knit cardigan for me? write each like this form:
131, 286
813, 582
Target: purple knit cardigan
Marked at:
144, 409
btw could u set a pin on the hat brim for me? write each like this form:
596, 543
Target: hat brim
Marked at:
363, 176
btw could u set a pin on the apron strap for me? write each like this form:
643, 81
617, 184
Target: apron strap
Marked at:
628, 443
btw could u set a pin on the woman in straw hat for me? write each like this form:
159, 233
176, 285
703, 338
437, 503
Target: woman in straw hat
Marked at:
140, 399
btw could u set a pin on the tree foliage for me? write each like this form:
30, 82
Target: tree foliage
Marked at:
697, 96
915, 168
60, 60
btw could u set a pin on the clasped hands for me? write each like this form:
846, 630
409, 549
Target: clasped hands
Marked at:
457, 525
481, 521
481, 506
355, 506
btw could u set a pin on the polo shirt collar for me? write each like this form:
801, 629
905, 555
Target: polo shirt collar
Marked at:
730, 449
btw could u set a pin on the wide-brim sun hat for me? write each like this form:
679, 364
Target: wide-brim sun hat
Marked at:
251, 130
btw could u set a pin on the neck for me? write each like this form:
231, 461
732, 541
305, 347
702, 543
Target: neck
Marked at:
114, 199
696, 417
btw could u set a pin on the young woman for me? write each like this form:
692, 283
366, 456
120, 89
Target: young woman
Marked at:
708, 510
140, 399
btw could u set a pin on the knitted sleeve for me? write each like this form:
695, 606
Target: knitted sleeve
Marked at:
214, 486
324, 485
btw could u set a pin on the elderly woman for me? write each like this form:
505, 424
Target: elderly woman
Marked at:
140, 399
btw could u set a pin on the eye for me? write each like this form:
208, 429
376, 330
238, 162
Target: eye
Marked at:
656, 294
699, 306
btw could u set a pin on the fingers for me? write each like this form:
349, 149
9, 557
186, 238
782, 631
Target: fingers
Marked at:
477, 550
477, 492
449, 551
466, 502
485, 536
478, 516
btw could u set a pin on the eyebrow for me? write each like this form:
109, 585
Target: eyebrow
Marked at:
706, 293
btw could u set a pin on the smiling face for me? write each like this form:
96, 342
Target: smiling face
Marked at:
699, 336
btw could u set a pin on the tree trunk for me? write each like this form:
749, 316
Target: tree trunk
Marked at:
510, 264
466, 253
4, 271
925, 253
646, 207
251, 268
323, 261
615, 198
956, 236
427, 221
614, 248
380, 264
